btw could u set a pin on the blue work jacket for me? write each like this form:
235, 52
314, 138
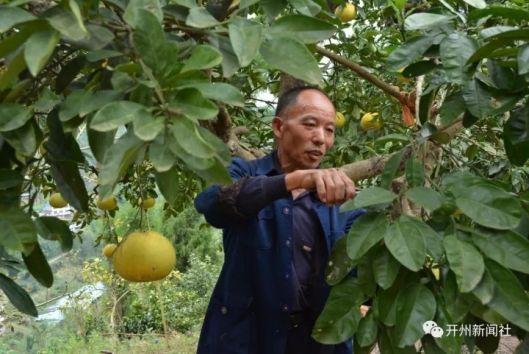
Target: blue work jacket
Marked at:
249, 309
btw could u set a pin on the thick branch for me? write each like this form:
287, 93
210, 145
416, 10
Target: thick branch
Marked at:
374, 166
363, 73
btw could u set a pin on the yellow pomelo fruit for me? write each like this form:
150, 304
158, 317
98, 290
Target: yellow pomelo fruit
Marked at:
144, 256
148, 203
109, 203
57, 201
369, 121
346, 13
109, 249
339, 120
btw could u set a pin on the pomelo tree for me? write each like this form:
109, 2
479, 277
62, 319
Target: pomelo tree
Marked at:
100, 97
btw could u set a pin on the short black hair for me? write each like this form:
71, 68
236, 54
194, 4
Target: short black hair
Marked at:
289, 97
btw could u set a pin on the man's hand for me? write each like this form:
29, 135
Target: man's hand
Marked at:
331, 185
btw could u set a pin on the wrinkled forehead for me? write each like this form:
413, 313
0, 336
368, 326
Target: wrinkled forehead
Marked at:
310, 102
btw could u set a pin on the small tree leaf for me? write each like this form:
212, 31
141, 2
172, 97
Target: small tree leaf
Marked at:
38, 49
425, 197
18, 296
465, 261
291, 56
202, 57
420, 21
115, 114
38, 266
52, 228
13, 116
245, 37
368, 230
305, 29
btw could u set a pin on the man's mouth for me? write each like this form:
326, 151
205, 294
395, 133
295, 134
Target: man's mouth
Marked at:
315, 153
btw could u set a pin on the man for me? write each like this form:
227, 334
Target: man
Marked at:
280, 218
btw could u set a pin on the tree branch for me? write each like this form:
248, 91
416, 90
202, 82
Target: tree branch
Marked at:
363, 73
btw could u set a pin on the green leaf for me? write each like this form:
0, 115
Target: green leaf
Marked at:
477, 98
511, 13
452, 108
18, 296
73, 103
188, 137
390, 169
490, 206
214, 174
10, 16
38, 266
166, 182
69, 72
457, 306
9, 178
74, 7
230, 63
479, 4
52, 228
161, 154
484, 291
385, 304
303, 28
115, 114
409, 52
148, 127
39, 48
416, 305
192, 104
292, 57
199, 17
149, 39
340, 316
23, 139
203, 57
508, 248
385, 268
492, 31
98, 38
455, 50
66, 23
369, 197
219, 91
272, 8
245, 37
405, 240
421, 21
70, 183
465, 261
367, 330
387, 343
516, 136
306, 7
133, 9
369, 230
523, 60
17, 229
414, 172
13, 116
61, 146
117, 160
97, 100
510, 299
339, 265
425, 197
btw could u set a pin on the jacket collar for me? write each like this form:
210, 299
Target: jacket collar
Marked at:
269, 165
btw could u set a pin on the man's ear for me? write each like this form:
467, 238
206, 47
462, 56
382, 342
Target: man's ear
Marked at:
277, 126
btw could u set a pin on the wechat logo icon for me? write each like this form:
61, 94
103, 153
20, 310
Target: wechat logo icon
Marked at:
430, 327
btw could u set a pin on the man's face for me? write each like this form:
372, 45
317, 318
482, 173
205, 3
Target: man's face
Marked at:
305, 131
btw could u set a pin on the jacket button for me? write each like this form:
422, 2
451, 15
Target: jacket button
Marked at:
285, 308
286, 211
224, 310
287, 243
287, 275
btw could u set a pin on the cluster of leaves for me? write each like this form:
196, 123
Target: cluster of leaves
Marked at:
463, 259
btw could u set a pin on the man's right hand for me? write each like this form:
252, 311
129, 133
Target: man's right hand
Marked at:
331, 185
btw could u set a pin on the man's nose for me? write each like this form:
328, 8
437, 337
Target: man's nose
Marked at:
318, 136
